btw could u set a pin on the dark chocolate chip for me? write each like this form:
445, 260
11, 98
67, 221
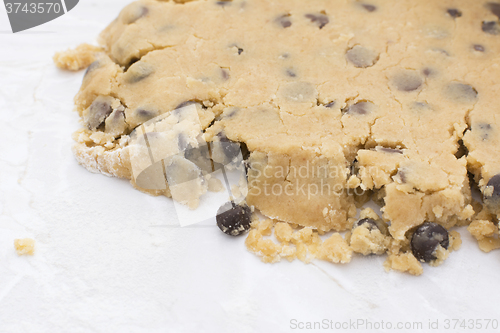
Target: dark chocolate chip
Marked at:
401, 175
454, 12
494, 8
492, 195
427, 71
145, 115
361, 57
138, 72
284, 20
369, 8
426, 239
234, 219
367, 222
92, 66
200, 156
485, 130
139, 12
291, 73
240, 50
478, 48
98, 111
319, 19
461, 92
230, 148
491, 27
244, 151
330, 105
224, 3
181, 171
407, 81
225, 74
360, 108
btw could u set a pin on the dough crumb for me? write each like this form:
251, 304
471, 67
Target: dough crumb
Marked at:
336, 250
486, 233
404, 262
76, 59
24, 246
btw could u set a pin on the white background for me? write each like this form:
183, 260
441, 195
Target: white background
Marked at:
101, 265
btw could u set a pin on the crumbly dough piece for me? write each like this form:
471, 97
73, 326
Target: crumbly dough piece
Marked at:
327, 97
25, 246
76, 59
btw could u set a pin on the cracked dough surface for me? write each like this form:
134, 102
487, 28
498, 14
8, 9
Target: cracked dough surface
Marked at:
372, 96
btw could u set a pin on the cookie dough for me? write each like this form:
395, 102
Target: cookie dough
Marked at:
24, 246
333, 101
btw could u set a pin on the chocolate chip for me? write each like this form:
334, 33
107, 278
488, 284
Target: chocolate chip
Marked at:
284, 20
291, 73
200, 156
494, 8
485, 130
491, 27
427, 71
145, 115
330, 105
454, 12
370, 224
91, 67
478, 48
492, 195
240, 50
319, 19
181, 171
138, 72
234, 219
360, 108
98, 111
407, 81
426, 239
230, 148
137, 14
461, 92
361, 57
224, 3
369, 8
401, 175
225, 74
244, 151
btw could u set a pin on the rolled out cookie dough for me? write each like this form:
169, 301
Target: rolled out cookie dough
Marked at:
332, 99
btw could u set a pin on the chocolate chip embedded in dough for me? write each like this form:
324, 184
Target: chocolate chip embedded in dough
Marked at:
138, 72
427, 72
478, 48
224, 3
426, 239
284, 20
225, 74
233, 219
453, 12
461, 92
330, 105
144, 114
291, 73
96, 64
492, 194
370, 224
389, 150
319, 19
230, 148
361, 57
115, 123
491, 27
407, 81
98, 111
360, 108
494, 8
484, 129
369, 8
